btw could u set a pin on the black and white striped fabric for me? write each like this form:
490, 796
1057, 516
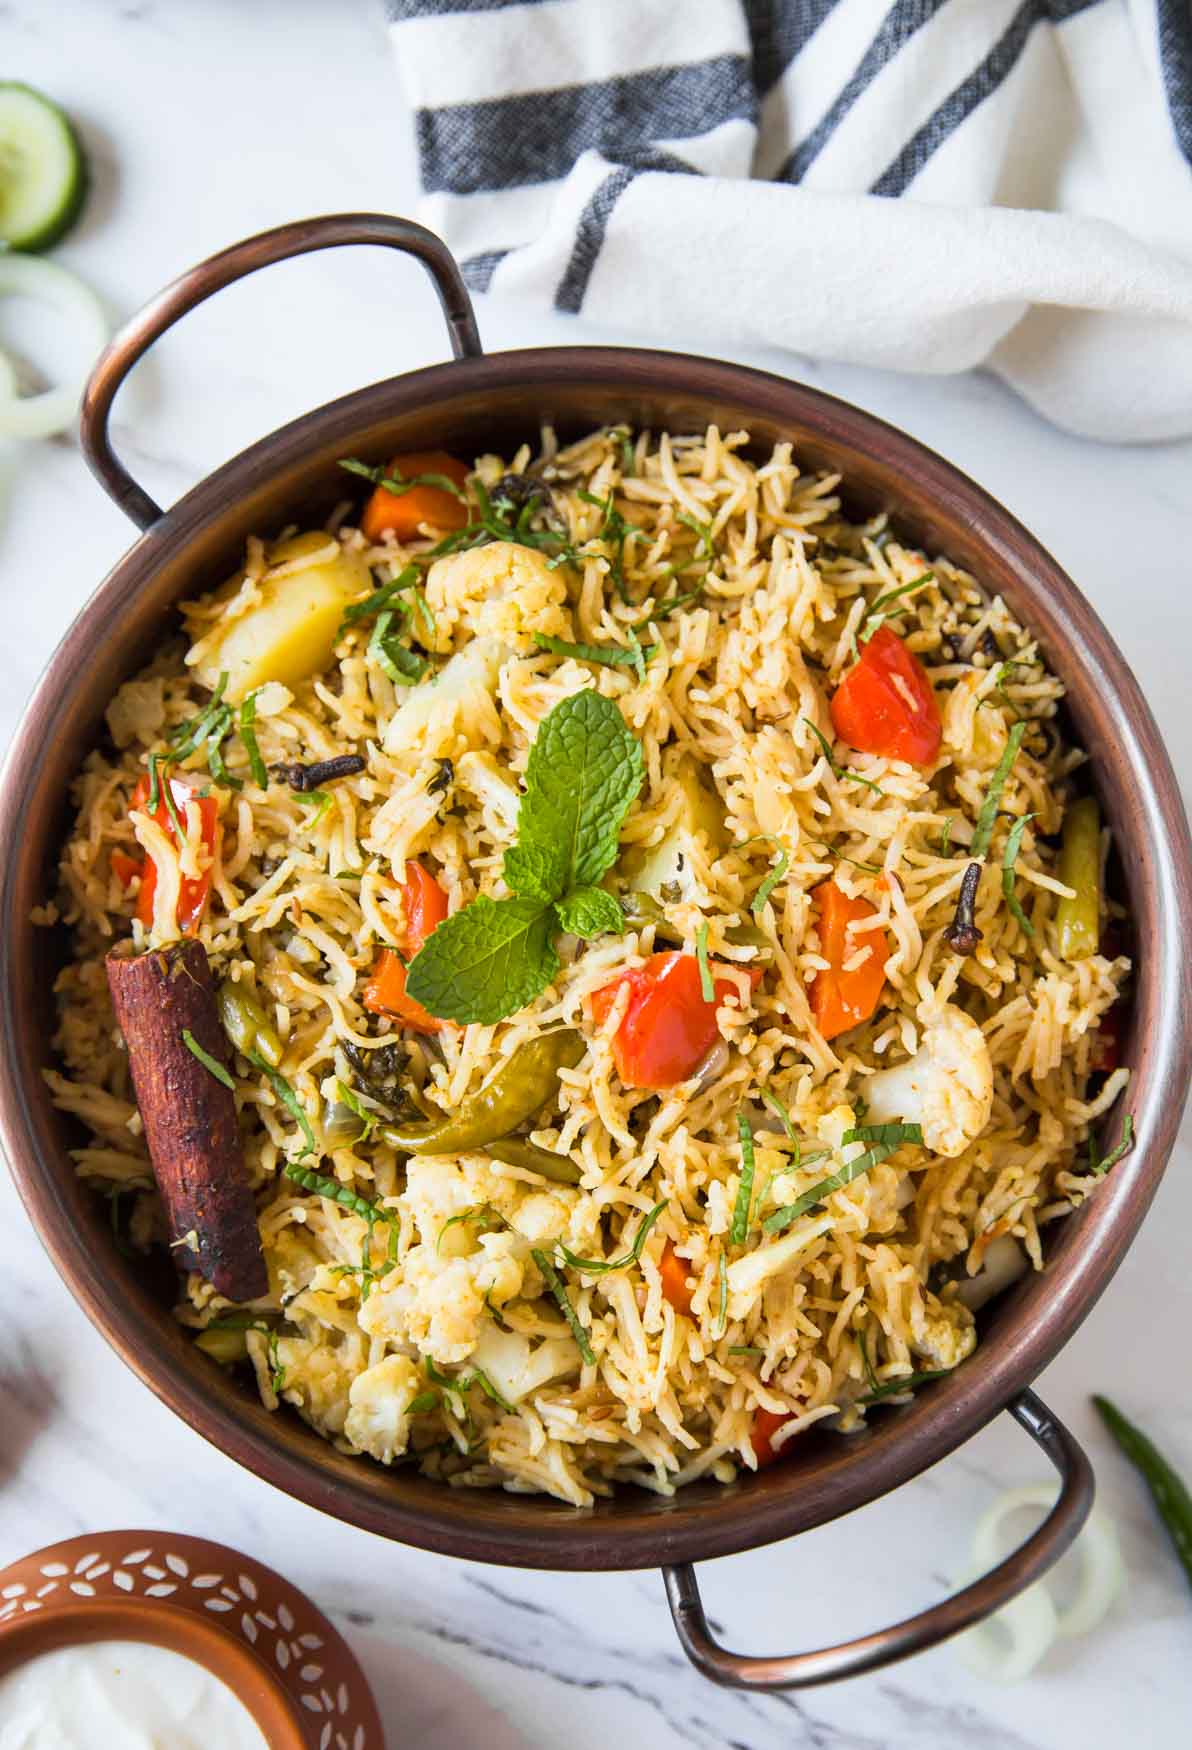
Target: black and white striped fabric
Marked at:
926, 185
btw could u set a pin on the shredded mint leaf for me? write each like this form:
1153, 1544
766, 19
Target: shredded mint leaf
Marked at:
588, 912
740, 1227
993, 796
585, 769
486, 961
1010, 857
633, 655
211, 1064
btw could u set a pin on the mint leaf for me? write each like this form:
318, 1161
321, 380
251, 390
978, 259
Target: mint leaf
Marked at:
590, 911
532, 870
585, 769
485, 961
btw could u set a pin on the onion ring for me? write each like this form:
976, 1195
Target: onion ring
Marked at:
1008, 1645
51, 410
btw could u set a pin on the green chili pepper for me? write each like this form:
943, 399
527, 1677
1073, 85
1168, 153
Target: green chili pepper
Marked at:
247, 1025
1168, 1491
520, 1088
341, 1126
1078, 920
639, 909
226, 1347
515, 1151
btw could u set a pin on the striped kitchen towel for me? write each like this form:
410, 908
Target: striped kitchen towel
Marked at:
927, 185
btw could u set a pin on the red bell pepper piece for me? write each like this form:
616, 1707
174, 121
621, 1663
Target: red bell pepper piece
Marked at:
885, 703
424, 906
668, 1028
192, 901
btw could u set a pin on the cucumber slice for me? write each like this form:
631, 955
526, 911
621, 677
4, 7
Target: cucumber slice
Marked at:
43, 171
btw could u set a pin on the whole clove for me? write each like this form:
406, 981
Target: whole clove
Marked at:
518, 490
962, 934
303, 778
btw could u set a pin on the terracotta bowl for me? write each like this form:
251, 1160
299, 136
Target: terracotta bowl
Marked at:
472, 405
273, 1648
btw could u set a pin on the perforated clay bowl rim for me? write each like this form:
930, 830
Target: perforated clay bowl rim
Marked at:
246, 1624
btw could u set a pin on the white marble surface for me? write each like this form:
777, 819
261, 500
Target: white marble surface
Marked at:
210, 121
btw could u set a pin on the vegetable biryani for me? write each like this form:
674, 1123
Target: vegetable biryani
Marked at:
594, 963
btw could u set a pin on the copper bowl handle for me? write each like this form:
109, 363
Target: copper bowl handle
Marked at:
195, 286
916, 1633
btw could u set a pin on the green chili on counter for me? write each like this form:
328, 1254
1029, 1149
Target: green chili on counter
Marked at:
1168, 1490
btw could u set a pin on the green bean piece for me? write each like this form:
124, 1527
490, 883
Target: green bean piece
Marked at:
226, 1347
515, 1151
1168, 1490
247, 1025
520, 1088
639, 909
1078, 920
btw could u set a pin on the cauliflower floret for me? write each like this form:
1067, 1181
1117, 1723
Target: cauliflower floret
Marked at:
378, 1421
137, 712
458, 702
499, 1267
501, 590
438, 1303
750, 1274
438, 1189
542, 1216
292, 1261
516, 1368
315, 1377
434, 1303
943, 1335
947, 1086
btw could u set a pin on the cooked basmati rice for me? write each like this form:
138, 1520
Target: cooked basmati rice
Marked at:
804, 1324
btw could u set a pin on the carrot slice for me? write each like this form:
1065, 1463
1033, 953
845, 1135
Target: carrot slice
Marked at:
406, 512
673, 1271
765, 1425
840, 999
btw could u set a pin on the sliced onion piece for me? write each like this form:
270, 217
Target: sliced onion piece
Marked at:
1009, 1644
41, 415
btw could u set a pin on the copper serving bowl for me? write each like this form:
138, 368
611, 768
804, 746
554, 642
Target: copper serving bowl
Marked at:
479, 404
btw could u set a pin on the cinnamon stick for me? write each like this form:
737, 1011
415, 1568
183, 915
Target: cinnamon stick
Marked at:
188, 1114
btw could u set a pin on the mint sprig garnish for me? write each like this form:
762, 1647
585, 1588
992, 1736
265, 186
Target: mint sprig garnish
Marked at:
588, 912
496, 955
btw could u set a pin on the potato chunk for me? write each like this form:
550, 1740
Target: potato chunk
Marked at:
289, 632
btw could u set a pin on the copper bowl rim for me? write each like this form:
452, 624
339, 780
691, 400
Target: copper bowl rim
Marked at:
1138, 786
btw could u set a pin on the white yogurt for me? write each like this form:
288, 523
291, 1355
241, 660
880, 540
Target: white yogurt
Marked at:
121, 1695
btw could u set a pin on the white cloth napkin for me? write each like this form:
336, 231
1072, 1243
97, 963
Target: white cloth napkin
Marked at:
927, 185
